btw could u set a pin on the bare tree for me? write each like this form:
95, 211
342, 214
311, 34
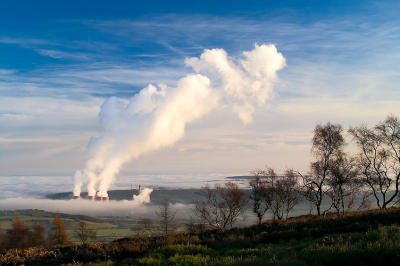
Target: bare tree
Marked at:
343, 183
22, 236
291, 191
379, 159
328, 142
3, 241
258, 185
221, 206
38, 235
59, 235
234, 199
147, 223
365, 202
19, 235
166, 217
84, 233
282, 193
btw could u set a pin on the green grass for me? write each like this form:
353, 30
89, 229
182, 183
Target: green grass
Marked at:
5, 225
101, 225
371, 248
107, 228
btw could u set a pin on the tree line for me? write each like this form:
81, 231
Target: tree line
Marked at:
341, 179
23, 236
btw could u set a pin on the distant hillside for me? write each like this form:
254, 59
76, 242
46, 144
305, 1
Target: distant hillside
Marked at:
184, 196
46, 214
241, 177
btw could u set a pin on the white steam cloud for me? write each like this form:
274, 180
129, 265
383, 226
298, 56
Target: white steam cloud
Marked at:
157, 116
143, 197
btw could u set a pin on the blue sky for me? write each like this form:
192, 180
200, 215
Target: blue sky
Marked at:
59, 60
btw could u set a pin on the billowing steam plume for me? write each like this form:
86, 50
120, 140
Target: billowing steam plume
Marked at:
157, 116
143, 197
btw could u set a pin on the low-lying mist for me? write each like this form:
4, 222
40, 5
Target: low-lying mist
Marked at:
133, 208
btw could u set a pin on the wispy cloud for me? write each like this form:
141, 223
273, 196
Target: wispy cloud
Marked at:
353, 34
62, 55
6, 72
23, 41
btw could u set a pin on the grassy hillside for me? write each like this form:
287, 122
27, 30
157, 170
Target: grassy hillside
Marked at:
107, 228
45, 218
359, 238
370, 248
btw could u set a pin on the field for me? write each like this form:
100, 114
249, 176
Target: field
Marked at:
107, 228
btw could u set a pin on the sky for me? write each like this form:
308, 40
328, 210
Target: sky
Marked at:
60, 60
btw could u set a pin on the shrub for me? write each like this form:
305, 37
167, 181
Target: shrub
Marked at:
189, 259
184, 250
371, 248
26, 256
154, 259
